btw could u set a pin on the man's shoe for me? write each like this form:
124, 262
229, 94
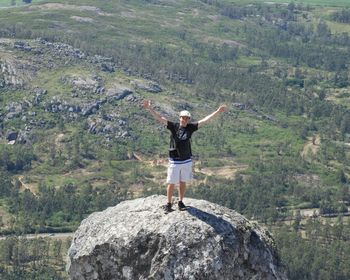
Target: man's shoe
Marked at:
182, 206
167, 208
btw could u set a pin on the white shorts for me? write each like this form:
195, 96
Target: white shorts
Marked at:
179, 171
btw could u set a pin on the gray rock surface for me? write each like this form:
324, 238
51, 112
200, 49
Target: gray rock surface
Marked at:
118, 92
136, 240
16, 72
84, 85
147, 86
62, 50
12, 135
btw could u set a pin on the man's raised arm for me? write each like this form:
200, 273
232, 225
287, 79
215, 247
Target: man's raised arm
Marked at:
221, 109
156, 115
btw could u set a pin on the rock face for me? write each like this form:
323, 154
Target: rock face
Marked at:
136, 240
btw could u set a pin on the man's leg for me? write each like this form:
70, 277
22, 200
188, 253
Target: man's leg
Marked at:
182, 189
170, 191
185, 176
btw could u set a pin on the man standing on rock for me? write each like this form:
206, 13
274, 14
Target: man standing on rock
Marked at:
180, 153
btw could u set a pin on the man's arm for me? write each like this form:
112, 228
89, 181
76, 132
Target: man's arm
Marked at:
156, 115
221, 109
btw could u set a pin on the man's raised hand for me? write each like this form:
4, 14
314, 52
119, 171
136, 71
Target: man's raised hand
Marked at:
147, 104
222, 108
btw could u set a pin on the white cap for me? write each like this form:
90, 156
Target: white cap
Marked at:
185, 114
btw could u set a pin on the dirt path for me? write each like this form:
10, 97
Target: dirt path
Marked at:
311, 146
227, 171
43, 235
58, 140
31, 187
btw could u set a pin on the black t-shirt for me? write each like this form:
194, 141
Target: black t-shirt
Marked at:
180, 143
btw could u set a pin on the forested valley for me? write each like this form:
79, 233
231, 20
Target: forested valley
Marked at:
74, 138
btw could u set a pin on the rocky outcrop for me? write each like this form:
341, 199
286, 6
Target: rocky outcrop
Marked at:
38, 95
118, 92
108, 125
136, 240
13, 110
56, 105
85, 94
84, 85
147, 86
12, 135
92, 108
24, 46
106, 64
15, 73
61, 50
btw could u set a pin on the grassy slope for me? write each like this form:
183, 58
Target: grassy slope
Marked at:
7, 3
246, 145
153, 24
328, 3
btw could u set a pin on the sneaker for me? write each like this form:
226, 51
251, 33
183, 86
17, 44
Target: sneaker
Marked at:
182, 206
167, 208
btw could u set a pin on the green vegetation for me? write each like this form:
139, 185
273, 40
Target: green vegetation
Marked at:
9, 3
327, 3
38, 258
82, 146
305, 257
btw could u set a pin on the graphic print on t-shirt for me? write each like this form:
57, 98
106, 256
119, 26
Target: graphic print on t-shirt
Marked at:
180, 144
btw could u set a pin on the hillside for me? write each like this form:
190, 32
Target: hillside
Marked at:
75, 139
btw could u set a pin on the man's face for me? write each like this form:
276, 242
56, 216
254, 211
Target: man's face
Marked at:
184, 121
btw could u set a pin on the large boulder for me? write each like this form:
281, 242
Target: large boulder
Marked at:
137, 240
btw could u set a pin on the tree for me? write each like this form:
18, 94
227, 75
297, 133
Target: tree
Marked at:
5, 185
60, 124
322, 29
57, 247
345, 124
342, 16
342, 177
297, 220
341, 79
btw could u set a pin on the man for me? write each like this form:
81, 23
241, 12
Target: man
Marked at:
180, 153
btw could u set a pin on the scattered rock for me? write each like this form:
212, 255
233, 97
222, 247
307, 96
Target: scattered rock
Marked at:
147, 86
12, 135
56, 105
92, 108
118, 92
108, 67
24, 46
61, 50
24, 138
14, 73
84, 85
39, 91
13, 110
131, 98
111, 126
240, 106
82, 19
